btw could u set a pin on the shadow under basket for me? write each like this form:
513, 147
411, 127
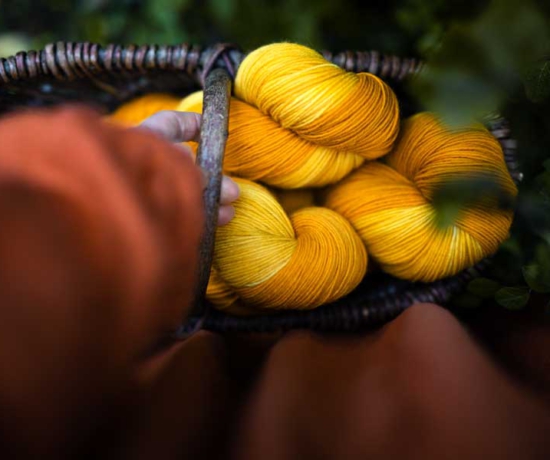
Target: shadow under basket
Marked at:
106, 77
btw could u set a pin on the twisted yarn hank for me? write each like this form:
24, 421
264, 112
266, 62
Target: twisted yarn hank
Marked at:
390, 204
259, 149
320, 102
271, 260
301, 121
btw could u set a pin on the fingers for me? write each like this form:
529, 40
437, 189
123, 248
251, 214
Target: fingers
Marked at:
230, 191
174, 126
225, 214
179, 127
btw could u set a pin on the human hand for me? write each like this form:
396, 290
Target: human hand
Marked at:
181, 127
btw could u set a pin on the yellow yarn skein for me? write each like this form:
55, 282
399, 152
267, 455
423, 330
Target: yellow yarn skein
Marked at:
303, 121
132, 113
260, 150
224, 298
271, 260
390, 204
319, 101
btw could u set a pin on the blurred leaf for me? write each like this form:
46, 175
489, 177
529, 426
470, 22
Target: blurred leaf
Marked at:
95, 28
483, 287
90, 6
223, 10
454, 195
542, 258
11, 44
537, 82
479, 63
537, 278
447, 213
512, 246
512, 298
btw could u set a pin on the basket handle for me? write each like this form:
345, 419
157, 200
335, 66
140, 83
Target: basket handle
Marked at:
210, 154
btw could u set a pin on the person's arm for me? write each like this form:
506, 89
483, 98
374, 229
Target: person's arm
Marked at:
99, 234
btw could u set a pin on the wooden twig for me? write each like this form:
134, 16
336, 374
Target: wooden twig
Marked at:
215, 120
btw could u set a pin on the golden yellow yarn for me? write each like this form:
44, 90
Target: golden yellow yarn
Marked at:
271, 260
292, 200
260, 150
319, 101
224, 298
300, 121
137, 110
389, 204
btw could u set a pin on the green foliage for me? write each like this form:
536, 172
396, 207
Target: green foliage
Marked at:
479, 62
537, 277
483, 287
513, 298
452, 196
537, 81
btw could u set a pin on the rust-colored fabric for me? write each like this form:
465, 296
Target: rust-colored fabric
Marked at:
99, 230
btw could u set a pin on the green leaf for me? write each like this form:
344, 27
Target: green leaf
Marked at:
513, 298
483, 287
537, 82
447, 213
453, 195
13, 43
537, 278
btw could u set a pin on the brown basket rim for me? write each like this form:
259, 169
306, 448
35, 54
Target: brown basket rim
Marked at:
66, 61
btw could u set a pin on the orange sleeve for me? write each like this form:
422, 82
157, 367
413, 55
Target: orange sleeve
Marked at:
99, 233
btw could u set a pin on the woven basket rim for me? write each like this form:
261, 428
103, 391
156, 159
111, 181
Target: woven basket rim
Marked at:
67, 61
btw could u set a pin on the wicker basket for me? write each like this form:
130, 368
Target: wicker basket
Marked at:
106, 77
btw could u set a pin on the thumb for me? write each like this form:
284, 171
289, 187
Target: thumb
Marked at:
174, 126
